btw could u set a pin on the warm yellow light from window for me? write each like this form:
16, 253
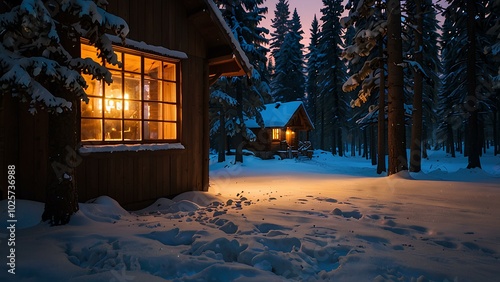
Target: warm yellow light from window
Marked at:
276, 133
140, 104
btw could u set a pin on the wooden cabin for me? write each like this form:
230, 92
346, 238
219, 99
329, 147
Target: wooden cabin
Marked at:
286, 131
146, 135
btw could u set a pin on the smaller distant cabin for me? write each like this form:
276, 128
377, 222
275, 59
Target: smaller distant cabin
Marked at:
286, 131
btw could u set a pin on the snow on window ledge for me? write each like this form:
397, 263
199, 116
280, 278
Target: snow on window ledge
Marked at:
130, 148
142, 46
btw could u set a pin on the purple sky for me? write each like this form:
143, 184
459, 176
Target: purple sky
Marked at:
306, 10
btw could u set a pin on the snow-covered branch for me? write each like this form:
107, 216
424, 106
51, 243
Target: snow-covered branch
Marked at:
33, 59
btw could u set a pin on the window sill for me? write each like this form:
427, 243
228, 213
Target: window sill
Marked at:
87, 149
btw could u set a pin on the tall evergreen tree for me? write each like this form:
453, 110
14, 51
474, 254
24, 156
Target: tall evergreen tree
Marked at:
335, 106
280, 25
423, 58
41, 65
449, 102
312, 67
494, 32
367, 67
289, 79
433, 68
471, 73
248, 99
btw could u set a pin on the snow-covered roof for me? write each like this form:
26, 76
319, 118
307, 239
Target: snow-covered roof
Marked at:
277, 114
142, 46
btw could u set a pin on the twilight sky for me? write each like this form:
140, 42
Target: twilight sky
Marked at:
306, 10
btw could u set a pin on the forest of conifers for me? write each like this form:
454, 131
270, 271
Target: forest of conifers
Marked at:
433, 66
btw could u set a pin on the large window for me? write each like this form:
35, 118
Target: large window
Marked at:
142, 103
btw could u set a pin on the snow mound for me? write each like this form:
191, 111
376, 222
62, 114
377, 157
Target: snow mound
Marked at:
183, 206
405, 174
28, 213
159, 206
101, 209
197, 197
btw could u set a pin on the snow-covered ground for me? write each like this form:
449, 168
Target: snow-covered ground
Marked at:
325, 219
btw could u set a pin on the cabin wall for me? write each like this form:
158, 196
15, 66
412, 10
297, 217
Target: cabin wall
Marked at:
23, 143
136, 179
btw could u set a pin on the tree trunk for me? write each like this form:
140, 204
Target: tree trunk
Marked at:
396, 112
416, 132
239, 134
373, 144
466, 141
482, 139
340, 142
353, 143
333, 141
451, 143
365, 144
322, 133
222, 136
473, 130
381, 112
495, 132
360, 142
61, 191
425, 143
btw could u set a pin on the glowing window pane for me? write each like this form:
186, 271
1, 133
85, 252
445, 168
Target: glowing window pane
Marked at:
152, 90
169, 130
152, 69
276, 133
169, 92
132, 86
169, 71
132, 130
91, 129
113, 129
132, 63
93, 108
169, 112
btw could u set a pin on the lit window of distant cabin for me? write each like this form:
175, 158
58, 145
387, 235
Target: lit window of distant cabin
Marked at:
142, 103
276, 133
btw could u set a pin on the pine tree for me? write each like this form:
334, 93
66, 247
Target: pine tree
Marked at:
367, 67
423, 59
433, 68
280, 24
41, 65
335, 106
471, 73
453, 60
289, 79
244, 19
494, 33
313, 69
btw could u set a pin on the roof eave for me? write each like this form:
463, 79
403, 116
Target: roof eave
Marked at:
239, 58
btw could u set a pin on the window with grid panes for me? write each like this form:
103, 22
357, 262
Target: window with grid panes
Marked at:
276, 133
142, 103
